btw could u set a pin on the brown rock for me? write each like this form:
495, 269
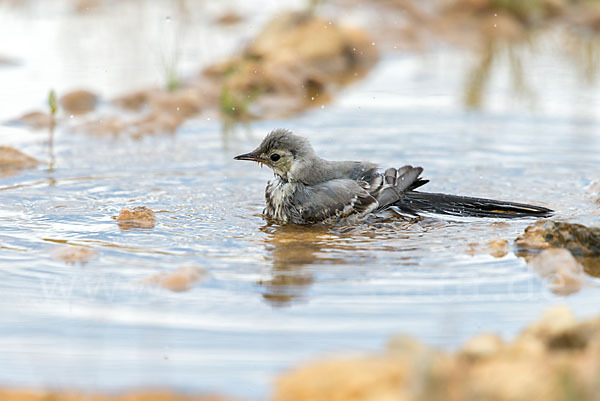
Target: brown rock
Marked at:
555, 359
294, 63
482, 346
577, 238
327, 47
369, 378
229, 18
135, 100
74, 254
407, 347
86, 6
508, 379
107, 125
527, 346
583, 242
36, 119
138, 217
559, 330
294, 36
155, 123
178, 280
79, 102
497, 248
183, 103
554, 322
13, 160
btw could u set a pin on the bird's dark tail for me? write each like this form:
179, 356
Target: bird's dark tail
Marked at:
424, 202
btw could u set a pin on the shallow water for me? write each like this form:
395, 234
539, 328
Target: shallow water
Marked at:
277, 296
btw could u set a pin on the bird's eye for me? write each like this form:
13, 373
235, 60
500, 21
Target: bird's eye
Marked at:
275, 157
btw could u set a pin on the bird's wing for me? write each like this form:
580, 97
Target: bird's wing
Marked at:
335, 198
391, 186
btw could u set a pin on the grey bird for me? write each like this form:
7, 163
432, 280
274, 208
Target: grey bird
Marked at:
308, 189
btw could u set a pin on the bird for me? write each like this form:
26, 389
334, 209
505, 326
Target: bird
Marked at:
308, 189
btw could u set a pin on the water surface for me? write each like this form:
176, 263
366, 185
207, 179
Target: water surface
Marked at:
277, 296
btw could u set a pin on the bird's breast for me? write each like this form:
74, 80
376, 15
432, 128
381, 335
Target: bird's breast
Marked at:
279, 197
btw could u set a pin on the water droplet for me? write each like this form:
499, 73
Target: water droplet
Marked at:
233, 108
177, 108
329, 22
372, 43
322, 107
71, 116
354, 49
494, 25
312, 98
495, 14
207, 118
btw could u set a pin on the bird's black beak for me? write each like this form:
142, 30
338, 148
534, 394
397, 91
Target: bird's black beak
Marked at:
248, 156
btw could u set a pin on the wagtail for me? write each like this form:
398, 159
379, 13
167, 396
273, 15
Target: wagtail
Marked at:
308, 189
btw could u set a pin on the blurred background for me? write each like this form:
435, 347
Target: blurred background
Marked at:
122, 104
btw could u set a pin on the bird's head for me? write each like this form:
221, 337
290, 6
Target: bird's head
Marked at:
283, 152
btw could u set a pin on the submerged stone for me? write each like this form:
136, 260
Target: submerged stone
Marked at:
74, 254
178, 280
138, 217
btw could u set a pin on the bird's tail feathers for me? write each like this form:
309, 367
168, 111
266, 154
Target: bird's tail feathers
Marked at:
416, 203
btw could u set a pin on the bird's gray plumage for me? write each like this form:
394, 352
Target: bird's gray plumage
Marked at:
308, 189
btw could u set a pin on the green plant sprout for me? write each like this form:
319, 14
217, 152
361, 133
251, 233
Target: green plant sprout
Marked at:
52, 102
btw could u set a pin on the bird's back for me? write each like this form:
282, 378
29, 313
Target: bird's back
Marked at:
356, 171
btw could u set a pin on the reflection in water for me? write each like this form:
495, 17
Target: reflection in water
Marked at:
581, 48
51, 156
481, 74
293, 249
